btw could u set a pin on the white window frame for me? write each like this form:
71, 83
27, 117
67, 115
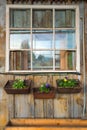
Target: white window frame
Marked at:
77, 28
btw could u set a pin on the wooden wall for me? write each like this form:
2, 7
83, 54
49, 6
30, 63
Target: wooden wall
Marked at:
63, 106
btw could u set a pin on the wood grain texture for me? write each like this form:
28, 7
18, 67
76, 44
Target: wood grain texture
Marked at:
38, 80
11, 107
61, 107
21, 106
31, 105
39, 113
47, 128
77, 105
46, 124
48, 108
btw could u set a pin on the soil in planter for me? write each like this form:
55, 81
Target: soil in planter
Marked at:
43, 95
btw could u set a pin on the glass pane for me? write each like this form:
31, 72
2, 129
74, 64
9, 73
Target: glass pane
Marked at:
20, 40
65, 60
42, 18
19, 18
20, 60
42, 60
65, 39
42, 39
65, 18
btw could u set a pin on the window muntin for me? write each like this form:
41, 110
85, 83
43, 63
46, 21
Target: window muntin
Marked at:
42, 34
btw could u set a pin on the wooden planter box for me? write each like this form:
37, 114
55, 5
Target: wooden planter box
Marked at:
46, 124
39, 95
68, 90
10, 90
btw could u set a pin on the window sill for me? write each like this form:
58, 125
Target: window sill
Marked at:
39, 72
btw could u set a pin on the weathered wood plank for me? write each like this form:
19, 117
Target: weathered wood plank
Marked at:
46, 128
19, 77
2, 128
70, 106
38, 80
61, 107
31, 105
77, 105
54, 80
10, 99
3, 112
39, 113
48, 108
21, 103
21, 106
11, 107
47, 122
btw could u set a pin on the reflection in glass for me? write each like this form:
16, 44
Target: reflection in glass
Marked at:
65, 39
65, 60
42, 18
19, 18
42, 60
65, 18
20, 40
42, 39
20, 60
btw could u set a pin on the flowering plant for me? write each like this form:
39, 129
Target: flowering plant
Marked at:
66, 82
18, 84
45, 87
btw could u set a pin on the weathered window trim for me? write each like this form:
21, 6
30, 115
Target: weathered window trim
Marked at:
76, 7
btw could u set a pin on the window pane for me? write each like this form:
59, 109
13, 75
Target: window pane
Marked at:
65, 60
42, 39
65, 39
42, 18
19, 18
65, 18
20, 60
20, 40
42, 60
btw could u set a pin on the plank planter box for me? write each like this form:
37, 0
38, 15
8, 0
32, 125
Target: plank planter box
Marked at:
46, 124
38, 95
10, 90
68, 90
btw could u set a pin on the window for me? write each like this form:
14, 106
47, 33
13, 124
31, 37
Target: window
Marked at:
42, 38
